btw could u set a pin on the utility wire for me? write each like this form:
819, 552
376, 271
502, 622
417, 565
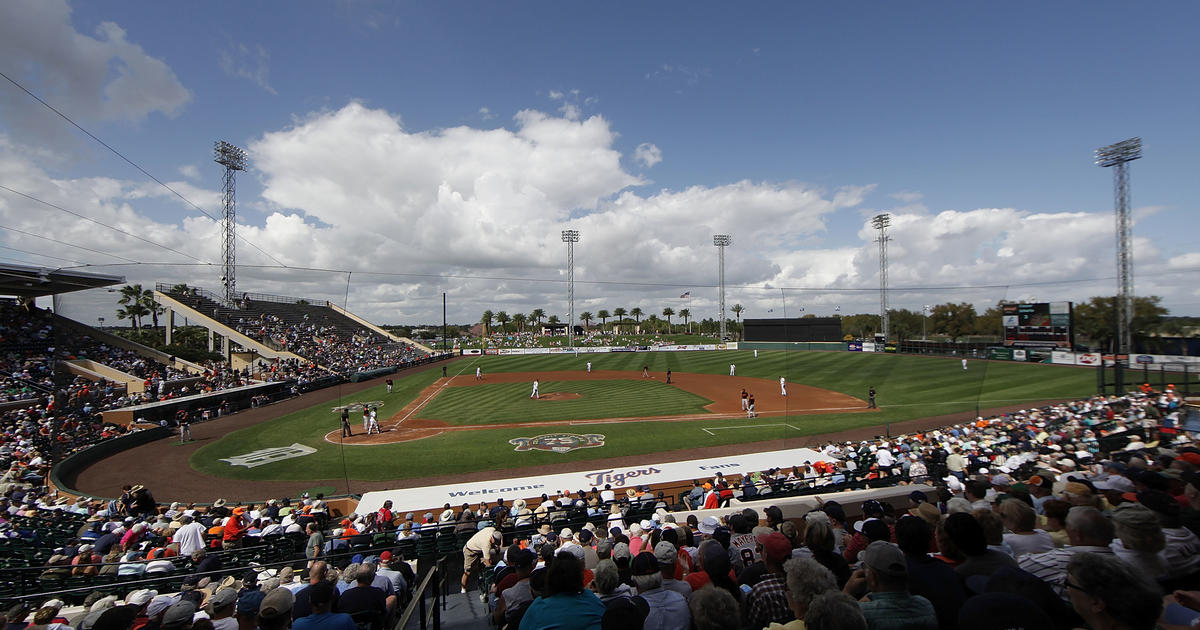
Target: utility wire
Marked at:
133, 164
39, 254
87, 218
54, 240
671, 285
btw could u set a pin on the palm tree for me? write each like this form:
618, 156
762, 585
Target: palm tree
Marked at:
637, 314
603, 315
668, 312
737, 310
685, 314
537, 315
503, 318
619, 313
131, 299
553, 321
586, 318
486, 320
180, 288
153, 307
519, 320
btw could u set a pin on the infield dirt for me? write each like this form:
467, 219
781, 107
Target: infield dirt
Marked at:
724, 391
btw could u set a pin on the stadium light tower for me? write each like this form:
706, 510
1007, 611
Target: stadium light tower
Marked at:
570, 237
721, 241
1119, 155
881, 223
234, 160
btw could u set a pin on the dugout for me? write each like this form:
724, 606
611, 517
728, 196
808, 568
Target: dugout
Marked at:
793, 330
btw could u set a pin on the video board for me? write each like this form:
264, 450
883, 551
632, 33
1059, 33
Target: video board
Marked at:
1042, 324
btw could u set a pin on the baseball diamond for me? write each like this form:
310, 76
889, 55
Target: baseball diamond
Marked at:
458, 427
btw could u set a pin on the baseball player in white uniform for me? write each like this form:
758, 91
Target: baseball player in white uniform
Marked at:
534, 394
589, 367
782, 386
964, 364
373, 423
732, 370
478, 373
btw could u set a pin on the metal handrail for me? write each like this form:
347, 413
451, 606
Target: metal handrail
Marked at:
433, 577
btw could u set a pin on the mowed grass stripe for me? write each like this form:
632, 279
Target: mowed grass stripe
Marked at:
502, 403
909, 387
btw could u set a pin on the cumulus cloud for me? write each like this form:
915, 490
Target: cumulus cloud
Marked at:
647, 154
247, 62
476, 213
97, 77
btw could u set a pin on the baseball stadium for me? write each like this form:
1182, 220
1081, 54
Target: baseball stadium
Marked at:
538, 317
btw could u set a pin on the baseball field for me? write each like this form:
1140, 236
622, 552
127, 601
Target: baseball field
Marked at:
436, 426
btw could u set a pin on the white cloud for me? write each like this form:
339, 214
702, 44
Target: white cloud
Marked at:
247, 62
476, 213
189, 171
98, 77
486, 113
647, 154
907, 196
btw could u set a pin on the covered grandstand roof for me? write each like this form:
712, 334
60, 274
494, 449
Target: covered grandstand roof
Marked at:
27, 282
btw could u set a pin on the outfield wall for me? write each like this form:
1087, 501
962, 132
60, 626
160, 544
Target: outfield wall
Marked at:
818, 346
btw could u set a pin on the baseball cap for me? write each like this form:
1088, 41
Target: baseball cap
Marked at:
140, 597
709, 525
179, 614
620, 550
250, 601
222, 598
775, 546
916, 496
278, 603
645, 563
385, 556
886, 558
666, 553
871, 506
159, 604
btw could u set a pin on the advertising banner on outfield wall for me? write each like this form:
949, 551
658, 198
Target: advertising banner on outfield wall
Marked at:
619, 478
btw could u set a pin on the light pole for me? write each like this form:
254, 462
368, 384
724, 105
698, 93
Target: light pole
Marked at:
721, 241
924, 318
881, 223
233, 159
1119, 155
570, 237
101, 320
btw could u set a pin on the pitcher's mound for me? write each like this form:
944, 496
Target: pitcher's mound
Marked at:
559, 396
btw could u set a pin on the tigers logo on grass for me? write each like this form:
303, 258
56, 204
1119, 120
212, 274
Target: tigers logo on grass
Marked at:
558, 442
269, 455
358, 406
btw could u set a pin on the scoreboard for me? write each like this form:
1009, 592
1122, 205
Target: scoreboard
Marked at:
1044, 324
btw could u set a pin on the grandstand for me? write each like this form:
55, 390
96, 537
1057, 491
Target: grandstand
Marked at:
278, 327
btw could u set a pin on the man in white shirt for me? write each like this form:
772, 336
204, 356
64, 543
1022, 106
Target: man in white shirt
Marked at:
190, 537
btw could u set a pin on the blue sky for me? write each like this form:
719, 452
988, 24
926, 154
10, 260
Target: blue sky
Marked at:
457, 139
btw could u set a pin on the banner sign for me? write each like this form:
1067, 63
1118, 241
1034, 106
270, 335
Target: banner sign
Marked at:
426, 497
854, 346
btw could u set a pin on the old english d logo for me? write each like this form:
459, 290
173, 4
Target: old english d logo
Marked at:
557, 442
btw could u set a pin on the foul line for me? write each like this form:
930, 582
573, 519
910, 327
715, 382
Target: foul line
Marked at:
748, 426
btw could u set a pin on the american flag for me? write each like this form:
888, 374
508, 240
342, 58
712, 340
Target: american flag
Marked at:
686, 294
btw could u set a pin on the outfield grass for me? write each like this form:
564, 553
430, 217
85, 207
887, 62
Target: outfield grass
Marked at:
909, 387
504, 403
